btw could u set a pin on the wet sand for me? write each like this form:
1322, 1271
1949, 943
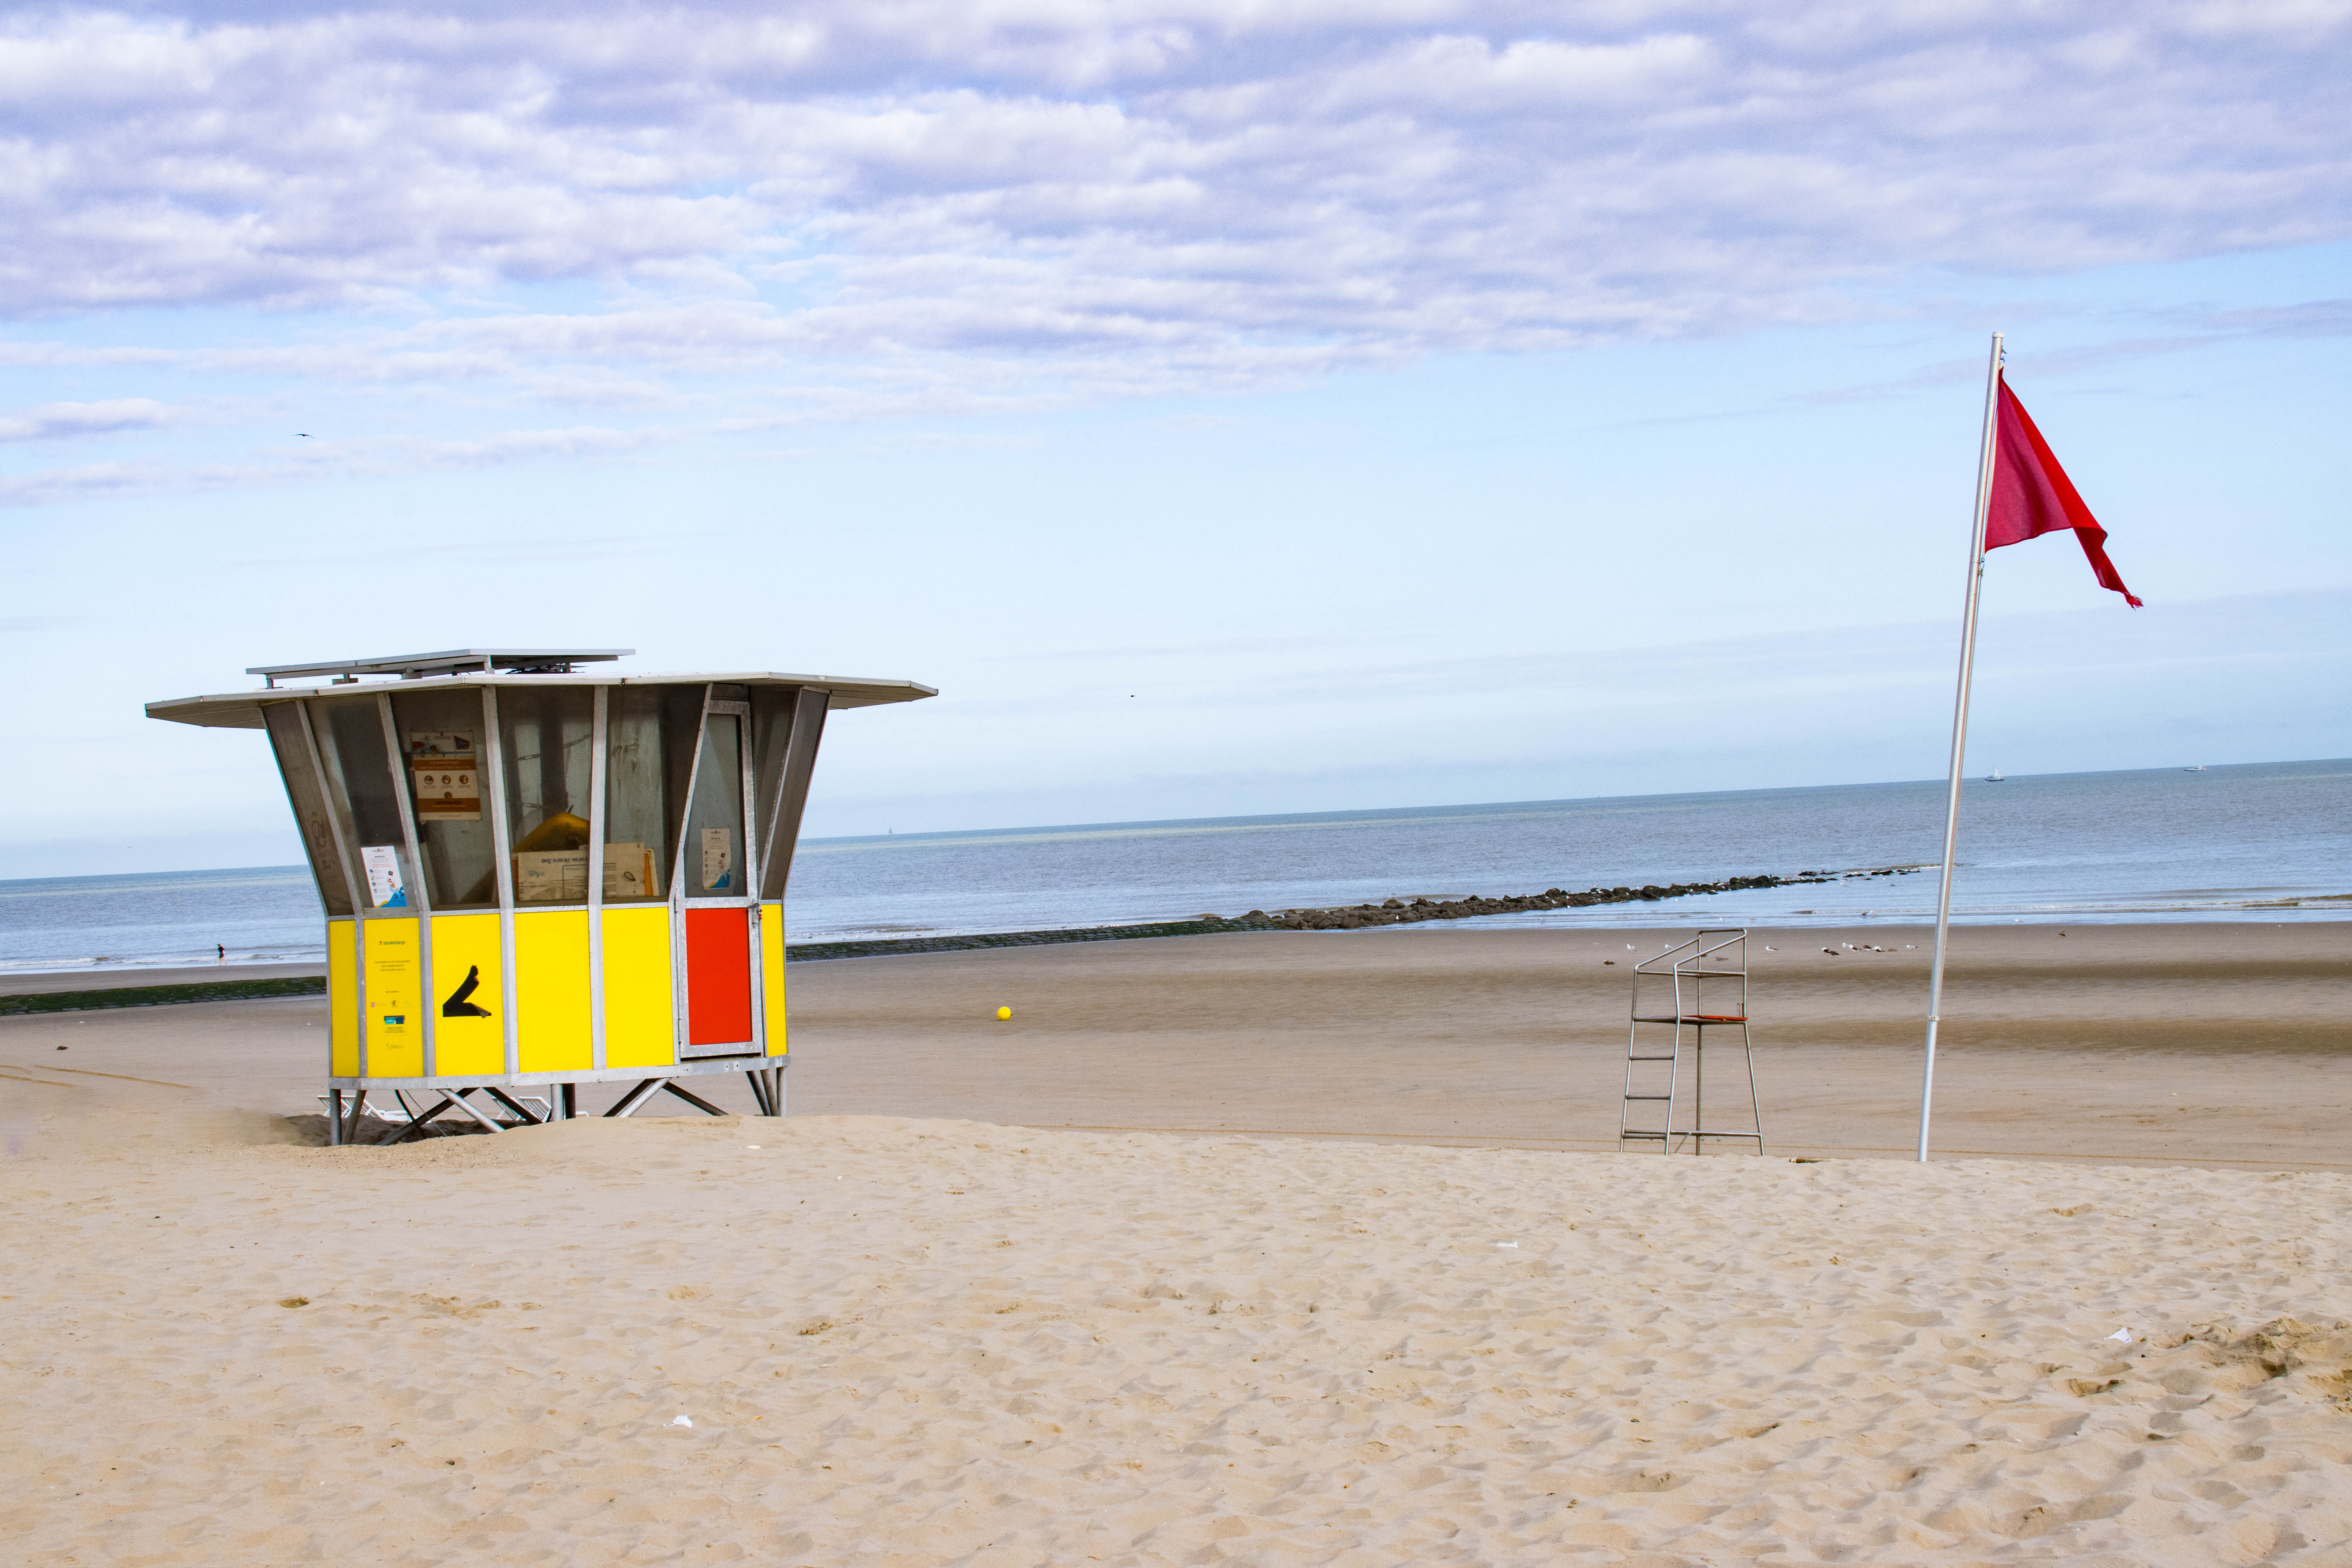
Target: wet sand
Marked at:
2222, 1043
119, 979
2209, 1043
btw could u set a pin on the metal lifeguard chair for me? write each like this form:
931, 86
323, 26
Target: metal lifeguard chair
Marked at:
1678, 996
536, 877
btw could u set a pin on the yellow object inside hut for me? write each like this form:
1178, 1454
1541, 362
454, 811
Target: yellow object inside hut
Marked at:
561, 831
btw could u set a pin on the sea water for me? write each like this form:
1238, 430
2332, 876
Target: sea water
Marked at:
258, 914
2258, 842
2270, 841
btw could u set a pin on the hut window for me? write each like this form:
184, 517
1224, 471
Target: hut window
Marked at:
352, 743
713, 850
772, 730
310, 813
546, 735
649, 743
441, 745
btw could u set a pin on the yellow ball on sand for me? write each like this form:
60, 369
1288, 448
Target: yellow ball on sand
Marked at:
1003, 1014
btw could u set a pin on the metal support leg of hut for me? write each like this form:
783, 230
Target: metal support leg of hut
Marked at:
347, 1108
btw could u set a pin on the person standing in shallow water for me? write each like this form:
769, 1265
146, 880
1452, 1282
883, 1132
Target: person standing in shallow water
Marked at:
221, 949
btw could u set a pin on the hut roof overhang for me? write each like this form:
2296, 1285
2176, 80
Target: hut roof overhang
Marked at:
242, 709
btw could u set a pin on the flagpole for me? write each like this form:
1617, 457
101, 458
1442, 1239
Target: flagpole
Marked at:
1960, 737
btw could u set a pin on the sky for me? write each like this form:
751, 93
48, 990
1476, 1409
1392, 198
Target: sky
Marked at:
1231, 407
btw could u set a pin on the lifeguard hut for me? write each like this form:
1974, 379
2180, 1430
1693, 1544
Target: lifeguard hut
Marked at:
539, 875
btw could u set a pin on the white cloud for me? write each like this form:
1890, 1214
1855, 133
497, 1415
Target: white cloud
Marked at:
929, 206
1434, 175
323, 461
54, 420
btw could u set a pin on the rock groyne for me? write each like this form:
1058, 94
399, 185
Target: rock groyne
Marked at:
1343, 917
1400, 911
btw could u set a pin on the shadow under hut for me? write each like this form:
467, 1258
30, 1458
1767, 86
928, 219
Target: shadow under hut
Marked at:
538, 875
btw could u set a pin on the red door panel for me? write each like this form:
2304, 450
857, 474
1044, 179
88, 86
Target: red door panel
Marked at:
718, 976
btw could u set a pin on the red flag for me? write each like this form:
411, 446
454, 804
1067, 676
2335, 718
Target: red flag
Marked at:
2032, 494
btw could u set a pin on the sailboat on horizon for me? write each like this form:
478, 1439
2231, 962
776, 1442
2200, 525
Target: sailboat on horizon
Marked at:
1994, 777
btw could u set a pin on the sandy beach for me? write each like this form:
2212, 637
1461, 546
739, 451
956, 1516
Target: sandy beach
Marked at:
907, 1328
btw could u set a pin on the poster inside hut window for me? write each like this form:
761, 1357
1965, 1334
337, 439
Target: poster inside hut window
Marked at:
443, 775
381, 864
718, 860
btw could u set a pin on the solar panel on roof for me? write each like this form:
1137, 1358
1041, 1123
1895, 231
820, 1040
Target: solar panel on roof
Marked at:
449, 661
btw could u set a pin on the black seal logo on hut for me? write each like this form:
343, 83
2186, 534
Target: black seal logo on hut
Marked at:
457, 1006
